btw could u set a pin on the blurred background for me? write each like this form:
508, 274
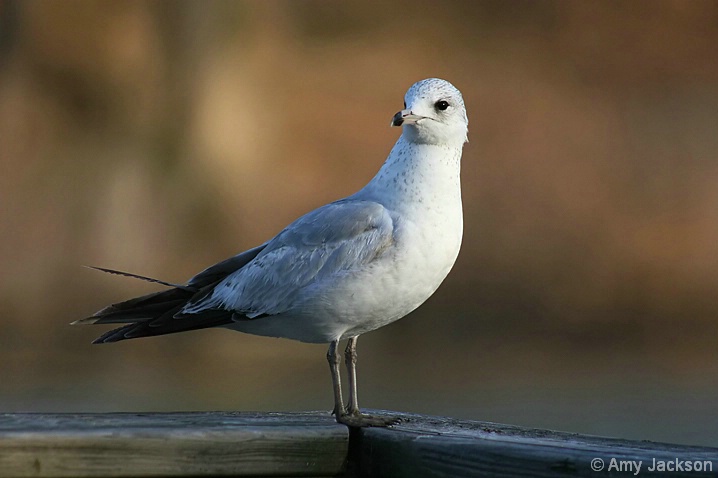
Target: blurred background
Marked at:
159, 137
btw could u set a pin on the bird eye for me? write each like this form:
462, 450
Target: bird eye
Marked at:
405, 105
441, 105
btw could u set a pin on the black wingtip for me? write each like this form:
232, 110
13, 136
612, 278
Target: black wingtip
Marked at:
114, 335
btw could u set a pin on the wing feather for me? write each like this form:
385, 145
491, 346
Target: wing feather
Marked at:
321, 246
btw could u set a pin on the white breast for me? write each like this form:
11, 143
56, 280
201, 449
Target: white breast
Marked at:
419, 186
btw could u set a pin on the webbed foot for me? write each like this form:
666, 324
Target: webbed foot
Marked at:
359, 420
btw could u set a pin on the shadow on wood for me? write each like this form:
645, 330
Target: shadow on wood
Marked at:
444, 447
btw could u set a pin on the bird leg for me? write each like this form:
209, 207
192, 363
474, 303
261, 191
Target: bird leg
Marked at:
351, 416
334, 360
350, 359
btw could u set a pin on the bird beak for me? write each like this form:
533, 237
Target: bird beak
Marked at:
405, 117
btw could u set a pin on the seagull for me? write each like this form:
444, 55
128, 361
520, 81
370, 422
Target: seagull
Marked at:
342, 270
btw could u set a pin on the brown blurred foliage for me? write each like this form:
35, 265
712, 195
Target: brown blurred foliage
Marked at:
160, 137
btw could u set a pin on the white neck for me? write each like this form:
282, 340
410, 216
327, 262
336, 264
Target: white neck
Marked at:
416, 172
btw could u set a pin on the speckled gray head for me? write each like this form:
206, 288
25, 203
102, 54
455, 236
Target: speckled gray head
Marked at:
434, 113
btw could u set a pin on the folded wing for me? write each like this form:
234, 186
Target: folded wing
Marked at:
270, 279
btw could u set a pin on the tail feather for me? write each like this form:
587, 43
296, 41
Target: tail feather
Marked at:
155, 314
137, 276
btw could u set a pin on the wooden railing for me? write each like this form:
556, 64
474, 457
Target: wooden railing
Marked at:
312, 444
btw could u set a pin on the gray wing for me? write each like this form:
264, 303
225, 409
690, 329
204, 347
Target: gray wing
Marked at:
321, 246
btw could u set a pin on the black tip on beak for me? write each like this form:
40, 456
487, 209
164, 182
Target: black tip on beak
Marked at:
398, 119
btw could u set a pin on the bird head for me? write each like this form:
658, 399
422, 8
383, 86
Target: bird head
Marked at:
433, 113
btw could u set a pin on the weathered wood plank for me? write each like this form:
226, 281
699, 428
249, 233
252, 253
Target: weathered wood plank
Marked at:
311, 444
438, 447
171, 444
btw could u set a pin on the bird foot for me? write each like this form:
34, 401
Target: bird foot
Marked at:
359, 420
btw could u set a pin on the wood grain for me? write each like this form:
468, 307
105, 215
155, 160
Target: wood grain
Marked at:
171, 444
312, 444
